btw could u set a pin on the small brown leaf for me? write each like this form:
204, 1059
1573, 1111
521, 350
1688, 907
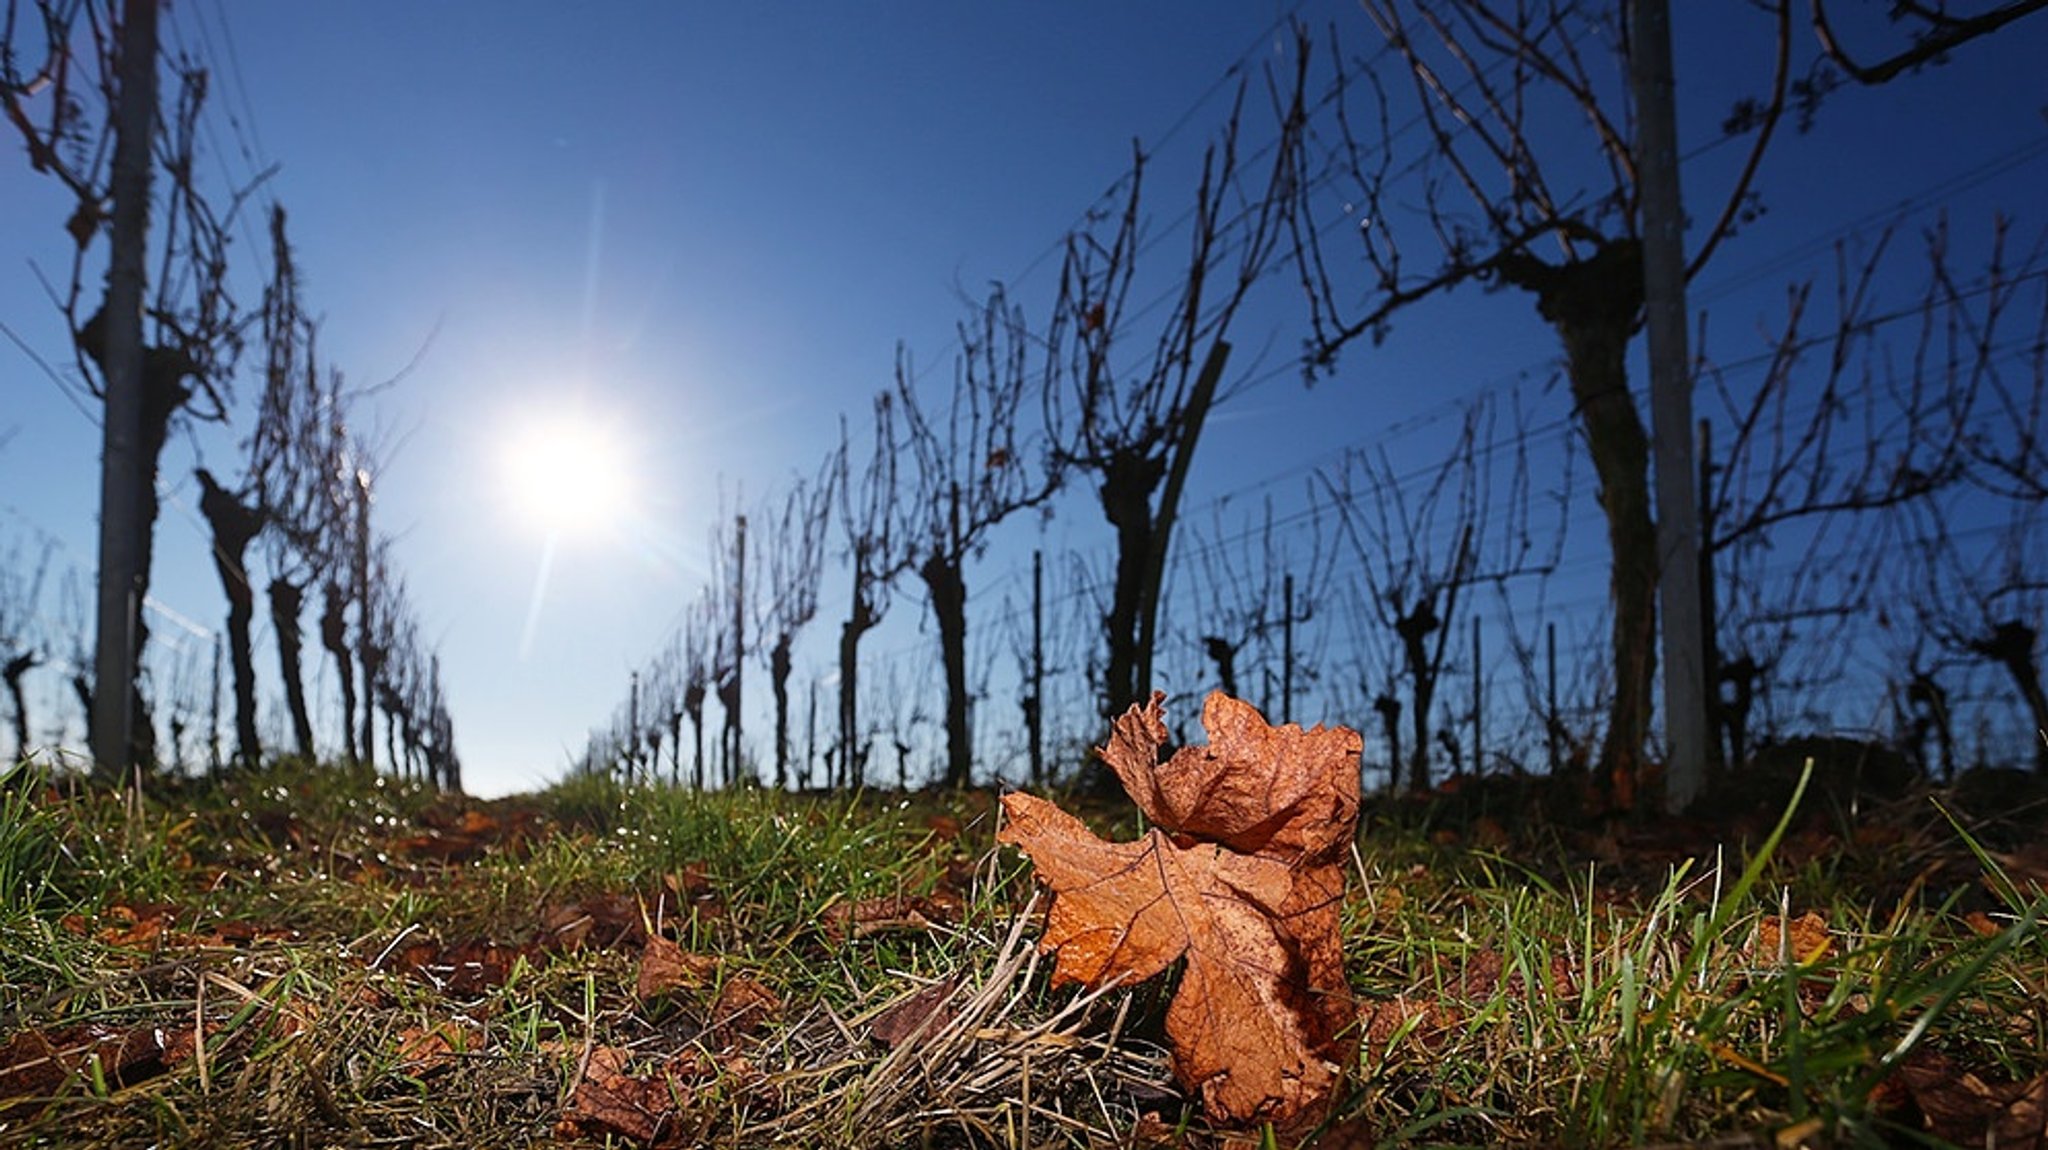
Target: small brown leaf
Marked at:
1960, 1107
35, 1064
1982, 925
744, 1006
30, 1067
1152, 1132
918, 1015
449, 846
1804, 940
693, 887
872, 916
666, 967
423, 1050
609, 1101
464, 970
1419, 1020
601, 922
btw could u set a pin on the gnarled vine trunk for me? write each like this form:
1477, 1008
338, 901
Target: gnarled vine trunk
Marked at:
1594, 304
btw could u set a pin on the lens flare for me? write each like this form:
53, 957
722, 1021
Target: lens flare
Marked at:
566, 476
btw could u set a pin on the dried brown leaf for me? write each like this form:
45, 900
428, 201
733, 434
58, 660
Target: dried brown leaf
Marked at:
34, 1064
1243, 881
464, 970
1420, 1020
1960, 1107
423, 1050
609, 1101
666, 967
695, 892
889, 913
743, 1007
600, 922
918, 1015
1277, 791
1803, 940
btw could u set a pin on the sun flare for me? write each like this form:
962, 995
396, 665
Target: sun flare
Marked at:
565, 475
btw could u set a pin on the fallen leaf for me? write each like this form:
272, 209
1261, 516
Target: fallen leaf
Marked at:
1804, 940
463, 970
1486, 971
872, 916
1960, 1107
662, 1107
666, 967
1242, 876
600, 922
446, 846
35, 1064
1151, 1132
744, 1006
422, 1050
1275, 791
607, 1100
693, 888
918, 1015
154, 927
2027, 865
1489, 834
30, 1067
1416, 1019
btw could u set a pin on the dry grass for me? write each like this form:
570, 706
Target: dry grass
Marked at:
305, 958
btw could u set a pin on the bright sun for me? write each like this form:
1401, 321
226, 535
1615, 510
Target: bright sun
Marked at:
565, 474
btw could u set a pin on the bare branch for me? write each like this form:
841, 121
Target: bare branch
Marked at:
1939, 34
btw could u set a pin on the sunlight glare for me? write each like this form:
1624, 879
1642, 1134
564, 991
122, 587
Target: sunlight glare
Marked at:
566, 476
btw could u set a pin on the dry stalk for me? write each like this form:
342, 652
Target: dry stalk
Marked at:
974, 1066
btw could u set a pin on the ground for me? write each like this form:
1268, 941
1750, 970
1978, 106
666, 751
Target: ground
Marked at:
318, 957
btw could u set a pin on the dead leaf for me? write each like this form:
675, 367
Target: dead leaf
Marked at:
600, 922
1242, 876
694, 891
744, 1006
1420, 1020
666, 967
1276, 791
1982, 925
463, 970
607, 1100
449, 846
423, 1050
35, 1064
872, 916
1486, 971
30, 1067
919, 1015
154, 927
2026, 866
1805, 940
1960, 1107
1488, 834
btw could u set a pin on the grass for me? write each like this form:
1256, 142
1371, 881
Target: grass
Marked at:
313, 957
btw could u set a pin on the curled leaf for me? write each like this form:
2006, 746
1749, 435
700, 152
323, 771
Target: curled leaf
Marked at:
1242, 877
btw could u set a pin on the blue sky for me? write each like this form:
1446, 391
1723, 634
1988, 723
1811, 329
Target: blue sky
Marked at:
711, 225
